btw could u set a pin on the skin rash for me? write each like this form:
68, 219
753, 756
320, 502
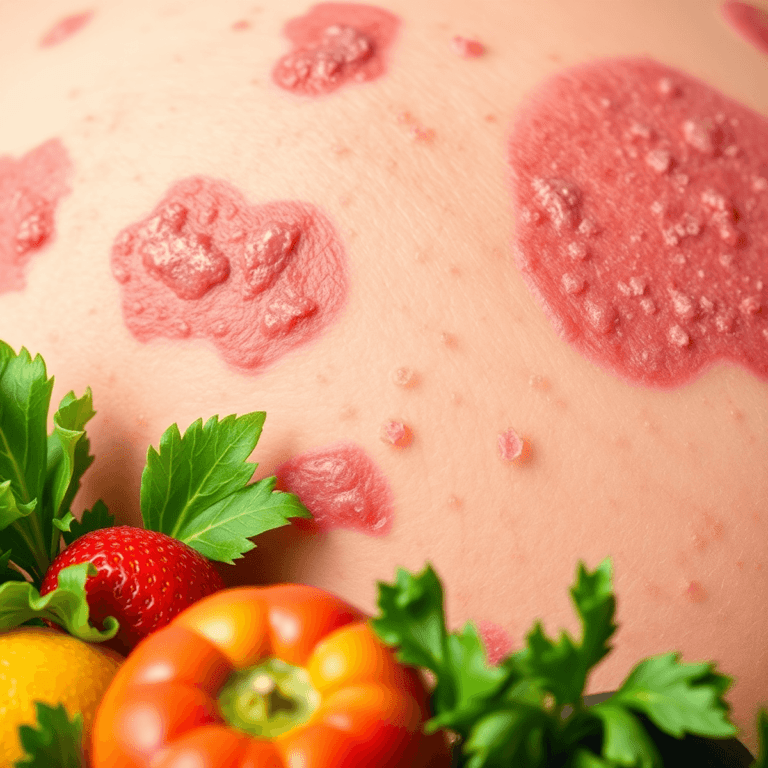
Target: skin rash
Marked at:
432, 347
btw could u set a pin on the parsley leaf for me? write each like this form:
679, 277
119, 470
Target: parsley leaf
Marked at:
55, 740
529, 710
678, 697
194, 487
563, 666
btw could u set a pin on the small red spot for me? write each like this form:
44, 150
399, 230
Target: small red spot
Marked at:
695, 592
510, 445
467, 47
65, 28
396, 433
241, 25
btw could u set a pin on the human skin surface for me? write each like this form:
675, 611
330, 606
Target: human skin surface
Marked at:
411, 169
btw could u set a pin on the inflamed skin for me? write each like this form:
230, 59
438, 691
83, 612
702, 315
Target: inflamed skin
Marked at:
641, 197
256, 280
30, 189
335, 44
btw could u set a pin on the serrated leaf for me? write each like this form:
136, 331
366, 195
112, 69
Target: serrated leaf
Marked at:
191, 473
222, 530
66, 605
464, 695
63, 524
679, 697
506, 737
625, 740
10, 508
54, 740
93, 519
565, 664
412, 618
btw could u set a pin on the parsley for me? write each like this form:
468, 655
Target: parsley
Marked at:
529, 710
55, 740
196, 488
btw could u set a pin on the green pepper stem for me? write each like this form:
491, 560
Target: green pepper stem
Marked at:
268, 699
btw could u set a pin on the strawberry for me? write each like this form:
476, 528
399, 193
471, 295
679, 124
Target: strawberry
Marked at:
144, 578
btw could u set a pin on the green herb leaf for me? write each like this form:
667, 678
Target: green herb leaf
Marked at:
25, 395
625, 740
93, 519
762, 738
55, 740
68, 459
194, 488
188, 474
66, 605
221, 531
565, 664
679, 697
413, 620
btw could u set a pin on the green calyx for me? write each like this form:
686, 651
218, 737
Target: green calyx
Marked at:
268, 699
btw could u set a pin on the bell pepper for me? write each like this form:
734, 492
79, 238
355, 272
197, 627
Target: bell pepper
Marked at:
270, 677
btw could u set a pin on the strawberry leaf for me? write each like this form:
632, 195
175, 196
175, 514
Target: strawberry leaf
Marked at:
188, 474
93, 519
66, 605
679, 697
221, 531
54, 740
194, 488
10, 508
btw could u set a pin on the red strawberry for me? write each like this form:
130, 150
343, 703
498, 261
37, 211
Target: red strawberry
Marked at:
144, 579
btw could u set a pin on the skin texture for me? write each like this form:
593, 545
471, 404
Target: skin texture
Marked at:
411, 170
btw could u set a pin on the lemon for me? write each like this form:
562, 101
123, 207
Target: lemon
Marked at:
46, 665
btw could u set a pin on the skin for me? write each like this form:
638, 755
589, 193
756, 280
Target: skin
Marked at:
670, 483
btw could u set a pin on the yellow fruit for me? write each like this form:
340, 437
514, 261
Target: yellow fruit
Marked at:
46, 665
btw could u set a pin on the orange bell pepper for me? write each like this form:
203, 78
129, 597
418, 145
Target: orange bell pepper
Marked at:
266, 677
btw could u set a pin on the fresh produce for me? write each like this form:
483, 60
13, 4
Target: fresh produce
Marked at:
49, 667
143, 579
196, 489
529, 710
280, 676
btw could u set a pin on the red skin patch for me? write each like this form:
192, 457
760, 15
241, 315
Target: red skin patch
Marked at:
642, 219
65, 28
749, 21
498, 644
30, 189
342, 487
334, 44
257, 280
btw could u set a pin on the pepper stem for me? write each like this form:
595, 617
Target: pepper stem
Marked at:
268, 699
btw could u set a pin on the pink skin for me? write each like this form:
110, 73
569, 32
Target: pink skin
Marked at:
30, 189
257, 281
749, 21
65, 28
342, 487
642, 203
334, 44
510, 445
